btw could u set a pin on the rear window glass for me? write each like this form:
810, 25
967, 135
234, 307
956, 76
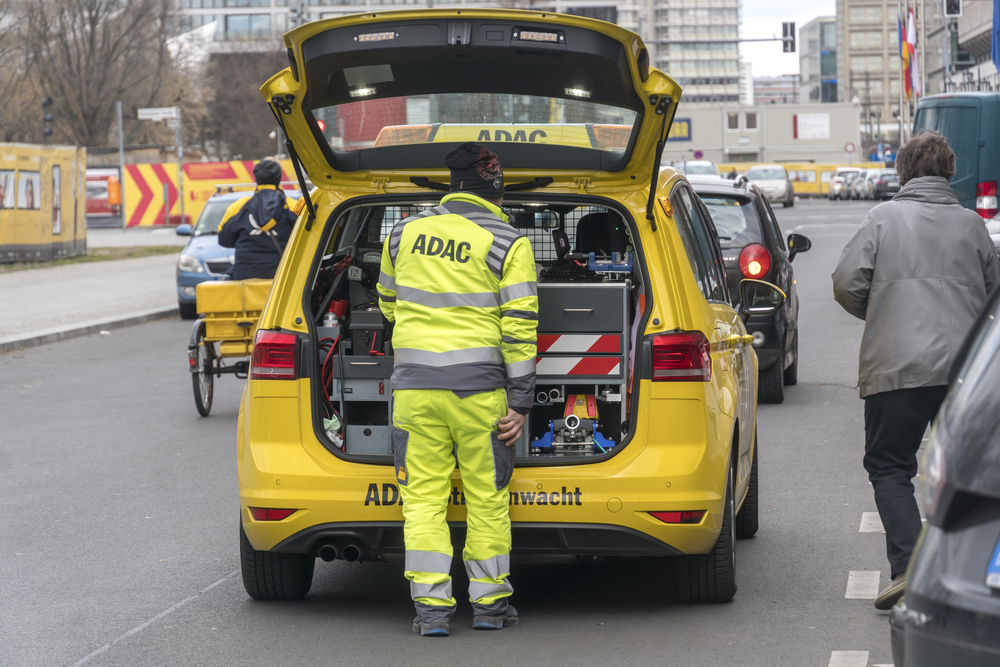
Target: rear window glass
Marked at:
766, 173
703, 169
482, 117
735, 220
960, 126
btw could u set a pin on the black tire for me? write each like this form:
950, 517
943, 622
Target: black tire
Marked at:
189, 311
202, 380
271, 576
711, 577
769, 385
747, 521
791, 375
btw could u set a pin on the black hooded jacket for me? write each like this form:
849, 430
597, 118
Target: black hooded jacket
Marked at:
254, 226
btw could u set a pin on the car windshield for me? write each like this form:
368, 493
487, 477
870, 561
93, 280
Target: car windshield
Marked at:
766, 174
734, 219
700, 169
481, 117
211, 216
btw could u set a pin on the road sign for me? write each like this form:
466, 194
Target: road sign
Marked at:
173, 123
848, 147
698, 155
159, 113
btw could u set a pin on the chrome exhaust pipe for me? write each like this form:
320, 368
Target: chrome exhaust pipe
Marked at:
542, 397
351, 553
555, 395
328, 553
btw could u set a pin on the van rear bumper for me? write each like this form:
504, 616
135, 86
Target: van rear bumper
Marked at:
378, 539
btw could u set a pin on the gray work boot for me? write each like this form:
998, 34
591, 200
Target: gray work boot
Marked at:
497, 621
891, 594
438, 629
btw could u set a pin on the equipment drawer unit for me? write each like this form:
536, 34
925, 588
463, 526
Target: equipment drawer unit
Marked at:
366, 390
582, 333
368, 439
585, 307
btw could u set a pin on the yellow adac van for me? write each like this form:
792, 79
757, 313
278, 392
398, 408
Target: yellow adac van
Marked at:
642, 438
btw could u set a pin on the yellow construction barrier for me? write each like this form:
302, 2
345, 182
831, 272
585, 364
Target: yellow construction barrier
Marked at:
43, 202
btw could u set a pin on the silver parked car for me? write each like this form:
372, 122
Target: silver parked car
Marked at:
774, 180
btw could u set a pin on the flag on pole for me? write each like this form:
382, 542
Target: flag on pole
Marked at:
911, 47
995, 42
904, 53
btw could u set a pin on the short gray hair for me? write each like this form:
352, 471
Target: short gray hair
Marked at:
926, 154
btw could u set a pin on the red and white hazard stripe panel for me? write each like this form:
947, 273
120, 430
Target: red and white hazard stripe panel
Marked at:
579, 343
578, 365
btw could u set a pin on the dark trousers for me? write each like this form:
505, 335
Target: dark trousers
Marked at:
895, 422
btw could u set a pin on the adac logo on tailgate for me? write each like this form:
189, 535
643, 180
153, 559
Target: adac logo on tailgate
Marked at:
388, 494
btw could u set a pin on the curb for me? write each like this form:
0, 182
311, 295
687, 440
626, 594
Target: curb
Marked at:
34, 340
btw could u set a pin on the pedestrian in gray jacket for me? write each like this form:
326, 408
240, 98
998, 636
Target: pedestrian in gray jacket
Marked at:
918, 272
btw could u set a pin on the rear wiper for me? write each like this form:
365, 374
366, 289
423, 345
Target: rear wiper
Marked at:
424, 182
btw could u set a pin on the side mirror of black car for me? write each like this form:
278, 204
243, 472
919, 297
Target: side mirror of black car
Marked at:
758, 297
797, 243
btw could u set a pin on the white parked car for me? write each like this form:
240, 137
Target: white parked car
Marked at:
837, 184
774, 180
696, 167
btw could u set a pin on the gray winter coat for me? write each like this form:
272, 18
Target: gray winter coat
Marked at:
918, 272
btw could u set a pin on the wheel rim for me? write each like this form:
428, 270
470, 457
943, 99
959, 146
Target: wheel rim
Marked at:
204, 377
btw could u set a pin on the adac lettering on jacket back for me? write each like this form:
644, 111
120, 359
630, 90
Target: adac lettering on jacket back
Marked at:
438, 247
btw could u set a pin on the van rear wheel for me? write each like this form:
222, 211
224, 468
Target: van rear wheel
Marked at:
711, 577
271, 576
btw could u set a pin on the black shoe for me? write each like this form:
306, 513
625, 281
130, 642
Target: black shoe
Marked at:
431, 629
497, 622
890, 596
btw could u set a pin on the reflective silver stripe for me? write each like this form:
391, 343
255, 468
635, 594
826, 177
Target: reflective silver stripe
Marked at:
495, 263
440, 591
491, 568
448, 299
520, 314
479, 590
428, 561
521, 368
510, 340
471, 355
518, 291
386, 281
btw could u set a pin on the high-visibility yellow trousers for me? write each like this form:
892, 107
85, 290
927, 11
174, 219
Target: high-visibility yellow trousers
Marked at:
431, 429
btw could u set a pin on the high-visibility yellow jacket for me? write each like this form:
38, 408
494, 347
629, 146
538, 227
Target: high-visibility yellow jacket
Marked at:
459, 283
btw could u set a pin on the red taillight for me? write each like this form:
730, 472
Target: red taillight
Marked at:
679, 517
322, 125
881, 182
986, 199
681, 357
273, 356
755, 261
267, 514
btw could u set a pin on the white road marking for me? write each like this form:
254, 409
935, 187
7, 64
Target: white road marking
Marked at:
862, 585
871, 522
884, 665
848, 659
143, 626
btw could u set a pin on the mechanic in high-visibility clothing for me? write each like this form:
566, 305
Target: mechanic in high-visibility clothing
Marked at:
458, 281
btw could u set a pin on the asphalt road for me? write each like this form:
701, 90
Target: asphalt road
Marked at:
119, 543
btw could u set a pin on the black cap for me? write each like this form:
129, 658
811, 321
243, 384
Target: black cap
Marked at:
475, 169
267, 172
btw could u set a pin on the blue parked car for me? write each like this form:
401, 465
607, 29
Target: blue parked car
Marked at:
203, 258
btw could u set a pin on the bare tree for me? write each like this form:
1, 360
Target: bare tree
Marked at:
87, 54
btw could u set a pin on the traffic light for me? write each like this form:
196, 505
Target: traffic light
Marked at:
788, 37
47, 119
953, 8
296, 14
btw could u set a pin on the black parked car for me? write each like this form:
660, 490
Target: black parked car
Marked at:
753, 247
887, 184
950, 614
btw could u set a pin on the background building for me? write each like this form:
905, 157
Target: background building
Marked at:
783, 89
818, 60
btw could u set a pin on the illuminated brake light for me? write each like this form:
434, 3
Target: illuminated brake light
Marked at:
401, 135
986, 199
755, 261
680, 517
578, 92
273, 356
361, 92
375, 37
267, 514
683, 356
322, 125
611, 137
